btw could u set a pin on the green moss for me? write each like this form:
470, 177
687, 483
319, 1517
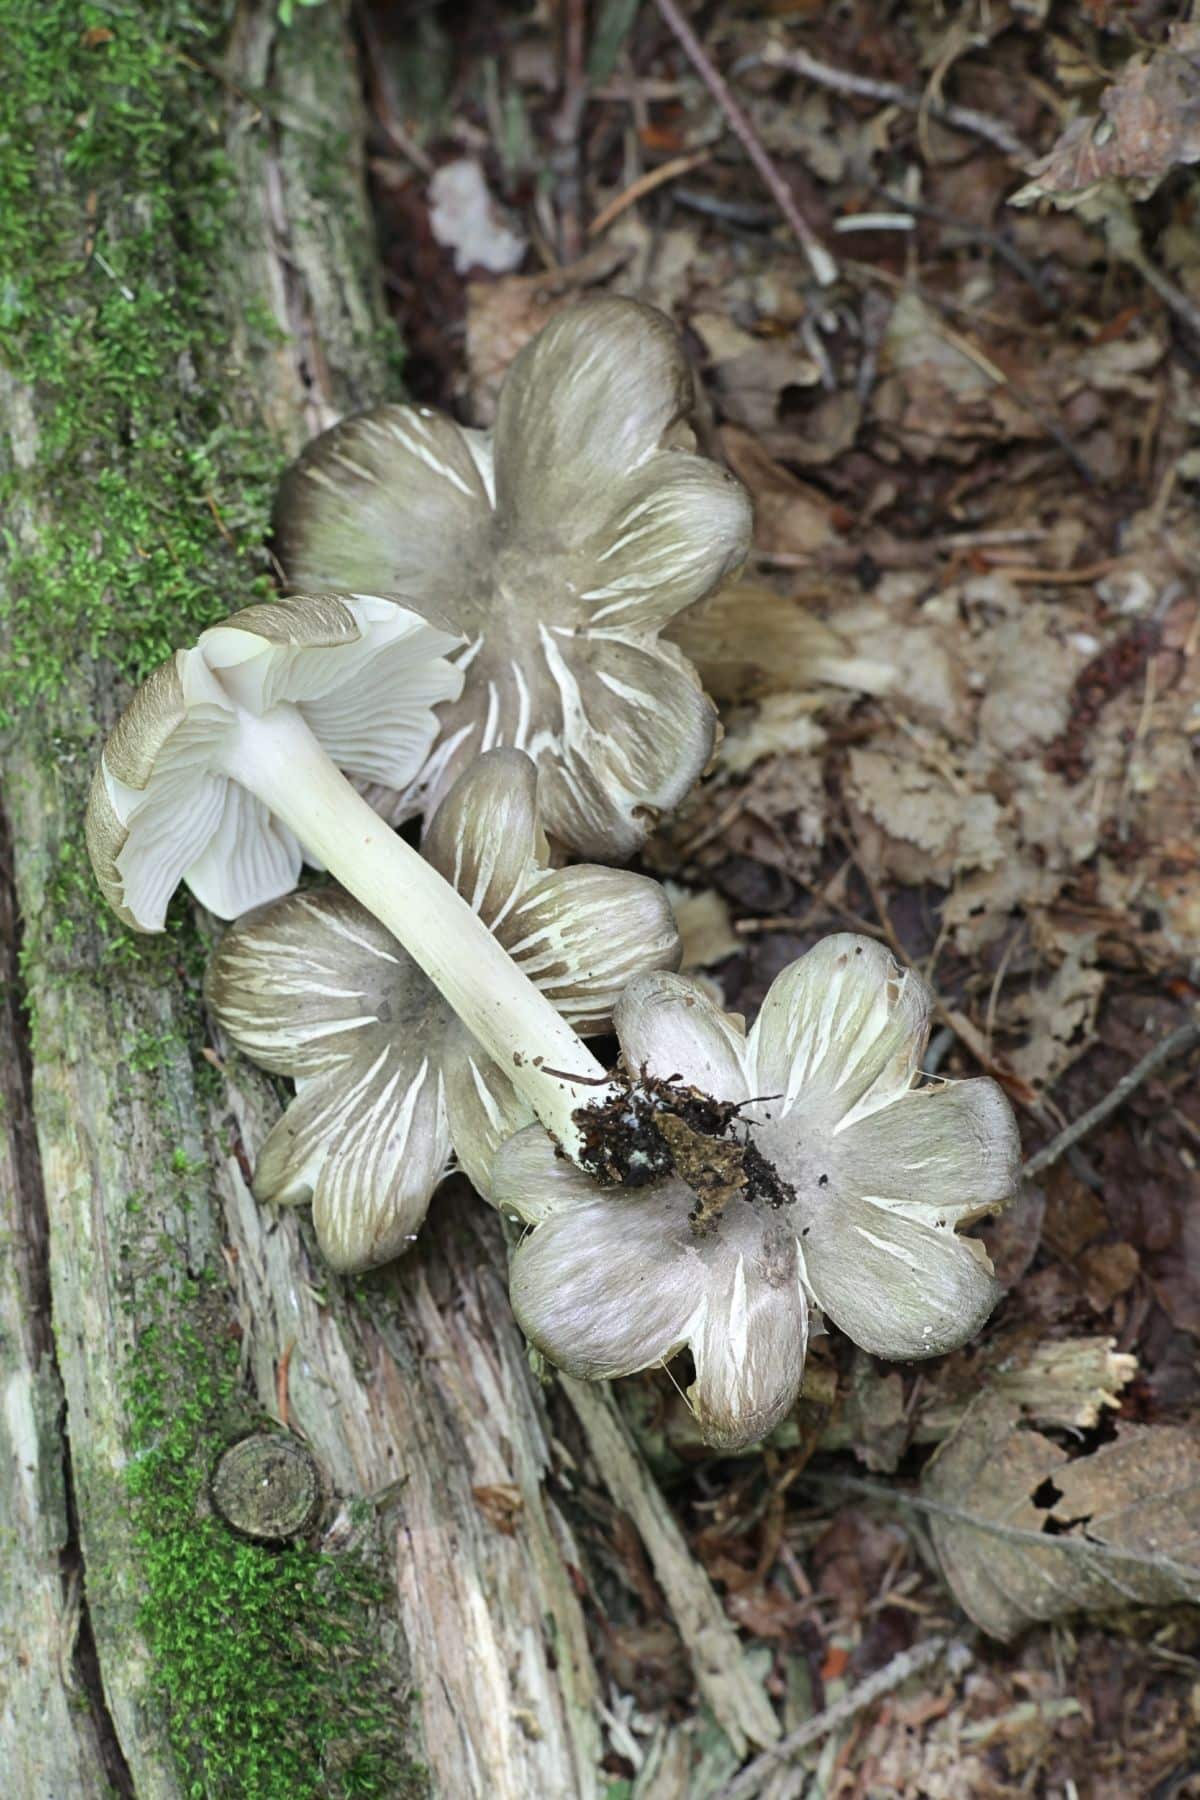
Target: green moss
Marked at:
135, 516
114, 198
259, 1657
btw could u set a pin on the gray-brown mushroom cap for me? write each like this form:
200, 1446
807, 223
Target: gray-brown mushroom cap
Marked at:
560, 546
168, 801
388, 1083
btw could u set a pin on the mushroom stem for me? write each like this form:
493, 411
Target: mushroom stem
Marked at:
278, 758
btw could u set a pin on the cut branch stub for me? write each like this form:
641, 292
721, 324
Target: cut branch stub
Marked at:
267, 1487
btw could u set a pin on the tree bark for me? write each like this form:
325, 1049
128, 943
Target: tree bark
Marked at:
129, 1138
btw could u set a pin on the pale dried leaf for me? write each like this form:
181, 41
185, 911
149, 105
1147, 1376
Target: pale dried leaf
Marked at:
789, 516
781, 725
1059, 1015
945, 824
1030, 673
464, 217
919, 642
704, 927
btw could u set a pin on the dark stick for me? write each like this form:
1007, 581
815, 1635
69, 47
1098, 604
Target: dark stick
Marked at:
1174, 1044
819, 260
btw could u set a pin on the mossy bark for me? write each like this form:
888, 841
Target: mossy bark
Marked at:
138, 1263
189, 293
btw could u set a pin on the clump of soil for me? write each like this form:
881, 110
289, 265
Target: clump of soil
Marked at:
655, 1128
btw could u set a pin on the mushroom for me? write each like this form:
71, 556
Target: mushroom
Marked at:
186, 786
388, 1083
223, 771
844, 1193
560, 545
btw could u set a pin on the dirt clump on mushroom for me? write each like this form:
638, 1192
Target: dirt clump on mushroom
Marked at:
658, 1127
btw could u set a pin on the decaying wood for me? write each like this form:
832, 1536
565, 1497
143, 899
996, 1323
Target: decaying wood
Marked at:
52, 1744
414, 1391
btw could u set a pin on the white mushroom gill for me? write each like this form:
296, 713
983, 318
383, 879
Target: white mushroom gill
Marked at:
560, 545
857, 1180
389, 1084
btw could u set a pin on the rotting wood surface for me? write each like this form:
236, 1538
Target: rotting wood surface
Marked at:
124, 1186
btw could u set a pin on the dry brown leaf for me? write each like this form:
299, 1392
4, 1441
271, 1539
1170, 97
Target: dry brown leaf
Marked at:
780, 725
921, 643
872, 1418
935, 824
1149, 122
1029, 674
933, 399
772, 386
1026, 1535
752, 374
1108, 1270
790, 518
981, 906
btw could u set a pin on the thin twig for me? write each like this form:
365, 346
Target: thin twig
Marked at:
646, 184
1170, 295
908, 1662
379, 79
568, 125
727, 1682
865, 87
1174, 1044
1026, 577
819, 260
747, 217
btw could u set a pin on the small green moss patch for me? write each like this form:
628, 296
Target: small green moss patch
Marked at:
264, 1658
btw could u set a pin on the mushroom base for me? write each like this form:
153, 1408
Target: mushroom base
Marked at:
650, 1129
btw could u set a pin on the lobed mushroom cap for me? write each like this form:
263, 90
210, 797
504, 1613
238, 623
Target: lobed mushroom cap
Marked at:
880, 1173
388, 1082
560, 545
364, 672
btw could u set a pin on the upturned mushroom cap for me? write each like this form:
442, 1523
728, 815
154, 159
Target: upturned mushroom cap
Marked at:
560, 545
166, 805
388, 1082
872, 1176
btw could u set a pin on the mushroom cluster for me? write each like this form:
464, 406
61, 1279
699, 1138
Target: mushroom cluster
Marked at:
479, 641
